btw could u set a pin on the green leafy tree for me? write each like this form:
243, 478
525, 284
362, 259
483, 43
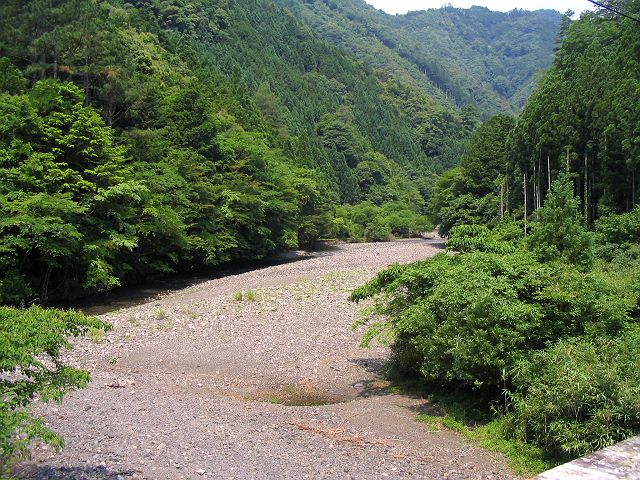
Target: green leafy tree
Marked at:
618, 236
31, 343
473, 192
67, 211
11, 79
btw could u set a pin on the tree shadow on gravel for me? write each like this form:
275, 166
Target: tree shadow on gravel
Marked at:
48, 472
434, 401
385, 382
156, 288
377, 366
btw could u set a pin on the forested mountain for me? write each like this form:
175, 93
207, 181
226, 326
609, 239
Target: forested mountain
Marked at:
582, 120
471, 56
142, 137
147, 137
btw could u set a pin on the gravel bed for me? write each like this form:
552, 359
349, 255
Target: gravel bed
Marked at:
200, 384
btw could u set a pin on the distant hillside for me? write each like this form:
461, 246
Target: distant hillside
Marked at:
491, 59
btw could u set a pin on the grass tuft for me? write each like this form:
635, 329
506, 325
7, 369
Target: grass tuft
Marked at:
96, 335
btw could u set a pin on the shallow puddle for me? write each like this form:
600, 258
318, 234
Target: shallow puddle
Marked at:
296, 396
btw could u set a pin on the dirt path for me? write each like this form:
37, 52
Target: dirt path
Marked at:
201, 385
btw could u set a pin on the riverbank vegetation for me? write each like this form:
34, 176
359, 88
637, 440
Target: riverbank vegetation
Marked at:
144, 138
31, 343
543, 330
535, 317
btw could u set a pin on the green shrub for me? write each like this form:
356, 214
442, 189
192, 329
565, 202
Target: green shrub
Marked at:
370, 222
577, 396
404, 221
31, 342
96, 335
249, 296
465, 320
620, 229
618, 237
480, 238
378, 230
344, 228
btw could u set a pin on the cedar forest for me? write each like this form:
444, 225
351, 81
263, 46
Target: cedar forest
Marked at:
141, 138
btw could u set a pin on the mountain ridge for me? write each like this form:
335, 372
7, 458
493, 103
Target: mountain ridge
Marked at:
447, 52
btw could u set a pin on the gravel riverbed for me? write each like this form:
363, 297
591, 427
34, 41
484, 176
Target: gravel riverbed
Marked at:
201, 385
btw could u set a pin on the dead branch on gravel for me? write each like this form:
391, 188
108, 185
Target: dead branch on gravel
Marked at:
337, 435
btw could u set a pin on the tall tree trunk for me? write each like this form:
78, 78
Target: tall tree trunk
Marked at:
506, 193
593, 204
535, 204
633, 188
109, 111
586, 193
85, 79
525, 203
43, 68
45, 285
85, 85
549, 172
539, 182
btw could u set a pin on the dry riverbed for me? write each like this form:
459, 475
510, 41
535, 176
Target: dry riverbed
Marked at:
200, 384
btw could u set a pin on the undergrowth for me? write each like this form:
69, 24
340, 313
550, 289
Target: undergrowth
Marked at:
474, 417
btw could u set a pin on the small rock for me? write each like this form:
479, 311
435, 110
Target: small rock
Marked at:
116, 384
201, 471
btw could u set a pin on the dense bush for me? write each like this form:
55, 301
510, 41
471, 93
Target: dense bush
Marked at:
370, 222
31, 342
577, 396
528, 317
503, 238
618, 237
467, 319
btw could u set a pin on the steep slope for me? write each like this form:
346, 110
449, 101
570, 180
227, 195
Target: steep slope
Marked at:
475, 56
582, 120
149, 136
